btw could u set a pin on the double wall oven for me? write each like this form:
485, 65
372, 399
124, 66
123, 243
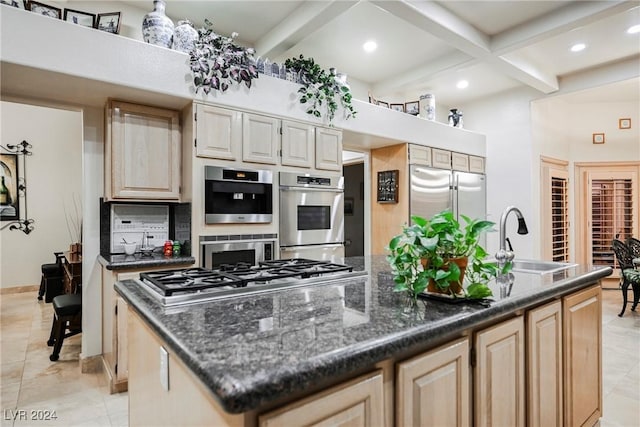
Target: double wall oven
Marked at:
311, 216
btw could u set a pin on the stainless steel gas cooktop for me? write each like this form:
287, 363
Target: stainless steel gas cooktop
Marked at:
191, 285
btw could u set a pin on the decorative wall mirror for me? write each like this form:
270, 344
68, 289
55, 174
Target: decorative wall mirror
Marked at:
13, 187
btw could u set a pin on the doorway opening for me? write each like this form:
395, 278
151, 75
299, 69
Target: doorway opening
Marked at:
353, 170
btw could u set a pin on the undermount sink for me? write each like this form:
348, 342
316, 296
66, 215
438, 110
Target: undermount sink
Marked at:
539, 267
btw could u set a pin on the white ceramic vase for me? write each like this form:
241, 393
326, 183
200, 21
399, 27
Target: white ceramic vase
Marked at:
157, 28
184, 36
428, 106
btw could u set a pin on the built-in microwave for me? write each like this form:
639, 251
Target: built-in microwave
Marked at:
238, 195
220, 251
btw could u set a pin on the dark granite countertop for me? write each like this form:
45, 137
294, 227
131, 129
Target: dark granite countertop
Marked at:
253, 350
137, 260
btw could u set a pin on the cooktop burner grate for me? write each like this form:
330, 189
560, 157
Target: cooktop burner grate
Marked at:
174, 286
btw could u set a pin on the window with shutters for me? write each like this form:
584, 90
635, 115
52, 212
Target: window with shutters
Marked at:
555, 210
611, 217
559, 219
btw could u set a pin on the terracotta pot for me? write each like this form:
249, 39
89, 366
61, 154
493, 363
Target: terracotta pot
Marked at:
454, 286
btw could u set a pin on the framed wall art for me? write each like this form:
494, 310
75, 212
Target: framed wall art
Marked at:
624, 123
412, 107
398, 107
598, 138
109, 22
9, 200
383, 104
81, 18
388, 186
20, 4
45, 9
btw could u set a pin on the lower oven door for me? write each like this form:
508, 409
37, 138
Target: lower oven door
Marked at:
333, 253
309, 216
216, 254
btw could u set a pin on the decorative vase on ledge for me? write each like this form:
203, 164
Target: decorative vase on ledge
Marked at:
184, 36
157, 28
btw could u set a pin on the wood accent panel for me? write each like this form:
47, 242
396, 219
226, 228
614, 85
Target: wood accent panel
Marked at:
499, 385
582, 315
433, 388
356, 403
186, 403
544, 366
387, 219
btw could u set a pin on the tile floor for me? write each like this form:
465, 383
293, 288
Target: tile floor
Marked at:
29, 381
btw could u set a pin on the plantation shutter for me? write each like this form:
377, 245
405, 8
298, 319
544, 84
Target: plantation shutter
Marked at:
611, 217
560, 218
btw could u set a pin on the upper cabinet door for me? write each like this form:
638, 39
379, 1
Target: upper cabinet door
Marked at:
143, 153
419, 155
260, 139
441, 158
476, 164
297, 144
460, 162
218, 132
328, 149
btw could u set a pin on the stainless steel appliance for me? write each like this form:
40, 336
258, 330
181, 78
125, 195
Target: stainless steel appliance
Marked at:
311, 216
145, 225
237, 195
192, 285
250, 249
434, 190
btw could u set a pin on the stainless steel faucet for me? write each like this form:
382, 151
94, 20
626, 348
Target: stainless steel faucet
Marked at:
503, 256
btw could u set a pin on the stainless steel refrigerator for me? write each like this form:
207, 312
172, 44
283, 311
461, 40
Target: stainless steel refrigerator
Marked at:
434, 190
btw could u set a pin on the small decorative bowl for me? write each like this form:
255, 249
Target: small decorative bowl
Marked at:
129, 248
147, 250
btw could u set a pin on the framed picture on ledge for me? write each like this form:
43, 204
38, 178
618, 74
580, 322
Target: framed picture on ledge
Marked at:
109, 22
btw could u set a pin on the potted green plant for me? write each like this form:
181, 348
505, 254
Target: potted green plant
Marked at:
437, 254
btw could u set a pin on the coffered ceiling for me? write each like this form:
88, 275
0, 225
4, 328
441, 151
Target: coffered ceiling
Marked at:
428, 46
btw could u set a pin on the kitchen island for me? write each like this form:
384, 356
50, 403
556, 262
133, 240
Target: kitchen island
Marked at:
359, 351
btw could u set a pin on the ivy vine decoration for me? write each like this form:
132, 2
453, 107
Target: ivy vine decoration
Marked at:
217, 62
320, 90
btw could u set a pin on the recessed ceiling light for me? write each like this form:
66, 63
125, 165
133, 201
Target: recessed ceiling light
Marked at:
578, 47
462, 84
370, 46
634, 29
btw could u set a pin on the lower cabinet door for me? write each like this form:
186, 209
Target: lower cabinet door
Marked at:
582, 319
544, 365
433, 388
356, 403
499, 384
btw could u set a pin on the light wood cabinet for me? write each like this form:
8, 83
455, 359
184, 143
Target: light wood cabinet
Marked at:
441, 158
142, 152
298, 140
218, 132
115, 353
476, 164
419, 155
260, 138
582, 350
358, 402
499, 386
544, 366
328, 149
433, 388
460, 162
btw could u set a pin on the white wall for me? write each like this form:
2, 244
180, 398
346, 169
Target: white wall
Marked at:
54, 176
505, 120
